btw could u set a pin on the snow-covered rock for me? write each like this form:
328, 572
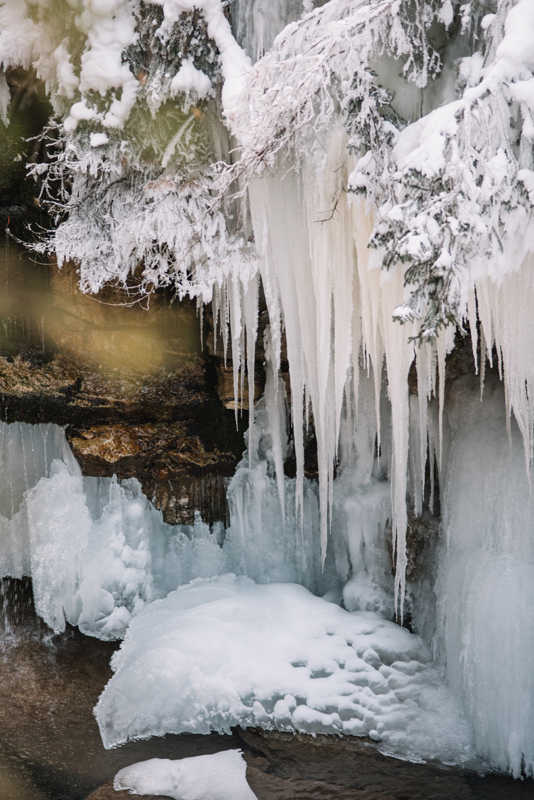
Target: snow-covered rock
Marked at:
220, 776
225, 651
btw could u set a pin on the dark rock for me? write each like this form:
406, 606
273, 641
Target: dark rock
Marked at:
167, 429
271, 787
332, 767
130, 383
107, 792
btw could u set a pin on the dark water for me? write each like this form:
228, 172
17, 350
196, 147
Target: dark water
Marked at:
50, 747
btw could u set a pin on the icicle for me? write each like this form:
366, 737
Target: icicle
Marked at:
444, 345
472, 316
236, 330
399, 353
424, 355
250, 307
482, 362
215, 309
368, 296
275, 407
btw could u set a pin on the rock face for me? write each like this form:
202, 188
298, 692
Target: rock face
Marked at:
107, 792
131, 384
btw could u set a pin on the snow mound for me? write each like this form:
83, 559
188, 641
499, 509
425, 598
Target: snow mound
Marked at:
221, 776
225, 651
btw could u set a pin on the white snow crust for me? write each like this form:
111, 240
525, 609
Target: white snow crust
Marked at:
224, 652
220, 776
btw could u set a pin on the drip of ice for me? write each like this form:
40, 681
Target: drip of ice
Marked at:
327, 290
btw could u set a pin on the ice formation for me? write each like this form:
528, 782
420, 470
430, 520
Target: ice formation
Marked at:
426, 109
224, 652
98, 551
486, 575
221, 776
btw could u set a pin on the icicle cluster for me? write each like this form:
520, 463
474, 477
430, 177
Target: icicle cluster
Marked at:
321, 115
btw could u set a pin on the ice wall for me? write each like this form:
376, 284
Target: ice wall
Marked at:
486, 574
97, 551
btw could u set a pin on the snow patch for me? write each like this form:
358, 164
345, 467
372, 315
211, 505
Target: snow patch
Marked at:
221, 776
190, 79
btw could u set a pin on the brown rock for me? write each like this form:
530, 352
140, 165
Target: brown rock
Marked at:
168, 429
332, 767
271, 787
107, 792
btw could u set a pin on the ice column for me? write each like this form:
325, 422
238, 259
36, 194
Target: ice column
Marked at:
486, 574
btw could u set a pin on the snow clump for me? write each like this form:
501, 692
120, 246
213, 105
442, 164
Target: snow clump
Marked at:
220, 776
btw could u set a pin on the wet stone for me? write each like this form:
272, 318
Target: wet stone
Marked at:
107, 792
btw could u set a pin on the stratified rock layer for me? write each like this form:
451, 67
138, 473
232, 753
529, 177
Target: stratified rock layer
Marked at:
131, 384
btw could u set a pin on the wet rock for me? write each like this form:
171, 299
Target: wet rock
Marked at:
272, 787
179, 469
332, 767
421, 539
49, 686
67, 392
107, 792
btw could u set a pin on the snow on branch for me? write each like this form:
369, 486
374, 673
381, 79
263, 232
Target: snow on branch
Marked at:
457, 188
310, 70
134, 86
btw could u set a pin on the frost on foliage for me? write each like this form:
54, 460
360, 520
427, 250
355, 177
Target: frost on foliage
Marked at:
128, 221
137, 126
315, 63
454, 195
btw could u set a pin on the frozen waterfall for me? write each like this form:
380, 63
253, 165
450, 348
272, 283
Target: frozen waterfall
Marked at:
486, 574
98, 551
380, 171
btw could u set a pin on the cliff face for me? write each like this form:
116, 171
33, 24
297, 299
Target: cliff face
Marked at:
136, 392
